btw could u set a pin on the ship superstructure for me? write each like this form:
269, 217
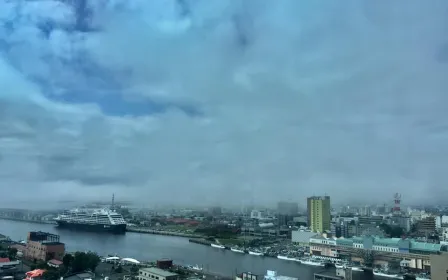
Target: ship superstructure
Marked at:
92, 220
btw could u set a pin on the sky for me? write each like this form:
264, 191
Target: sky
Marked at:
223, 102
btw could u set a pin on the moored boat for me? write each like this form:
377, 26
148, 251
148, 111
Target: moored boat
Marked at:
255, 253
236, 250
286, 258
312, 262
384, 274
218, 246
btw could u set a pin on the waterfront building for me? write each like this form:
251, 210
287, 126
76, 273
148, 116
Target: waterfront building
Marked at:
154, 273
408, 252
266, 230
439, 267
319, 216
44, 246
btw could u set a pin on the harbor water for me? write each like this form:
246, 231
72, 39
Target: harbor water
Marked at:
149, 247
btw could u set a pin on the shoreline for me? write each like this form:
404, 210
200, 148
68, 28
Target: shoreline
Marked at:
161, 232
28, 221
128, 229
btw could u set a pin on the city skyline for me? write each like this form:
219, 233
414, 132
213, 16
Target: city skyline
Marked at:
228, 102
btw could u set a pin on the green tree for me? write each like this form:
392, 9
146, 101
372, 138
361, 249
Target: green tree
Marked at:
392, 231
67, 260
85, 261
51, 274
134, 269
12, 253
119, 269
41, 265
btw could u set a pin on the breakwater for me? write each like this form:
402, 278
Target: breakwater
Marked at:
161, 232
28, 220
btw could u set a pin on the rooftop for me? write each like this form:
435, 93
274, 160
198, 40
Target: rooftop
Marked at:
56, 262
80, 276
52, 243
303, 236
158, 271
393, 242
425, 246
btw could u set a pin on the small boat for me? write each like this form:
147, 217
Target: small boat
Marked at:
312, 262
194, 267
280, 257
255, 253
236, 250
217, 246
355, 268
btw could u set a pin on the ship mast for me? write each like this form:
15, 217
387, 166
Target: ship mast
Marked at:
113, 202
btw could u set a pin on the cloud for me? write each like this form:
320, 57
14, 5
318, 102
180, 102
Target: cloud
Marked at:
223, 102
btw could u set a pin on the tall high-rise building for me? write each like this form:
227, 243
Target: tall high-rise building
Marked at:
319, 216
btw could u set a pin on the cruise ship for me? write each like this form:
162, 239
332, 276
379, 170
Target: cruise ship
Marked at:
100, 220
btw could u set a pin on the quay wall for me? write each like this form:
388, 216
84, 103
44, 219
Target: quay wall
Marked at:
160, 232
200, 241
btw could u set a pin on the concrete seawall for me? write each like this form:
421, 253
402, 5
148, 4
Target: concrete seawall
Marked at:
128, 229
200, 241
159, 232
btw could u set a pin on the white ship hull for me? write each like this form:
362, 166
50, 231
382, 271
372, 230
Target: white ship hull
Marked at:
280, 257
237, 250
313, 263
355, 268
394, 276
255, 253
217, 246
340, 265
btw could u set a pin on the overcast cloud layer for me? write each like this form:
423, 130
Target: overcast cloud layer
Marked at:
223, 101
